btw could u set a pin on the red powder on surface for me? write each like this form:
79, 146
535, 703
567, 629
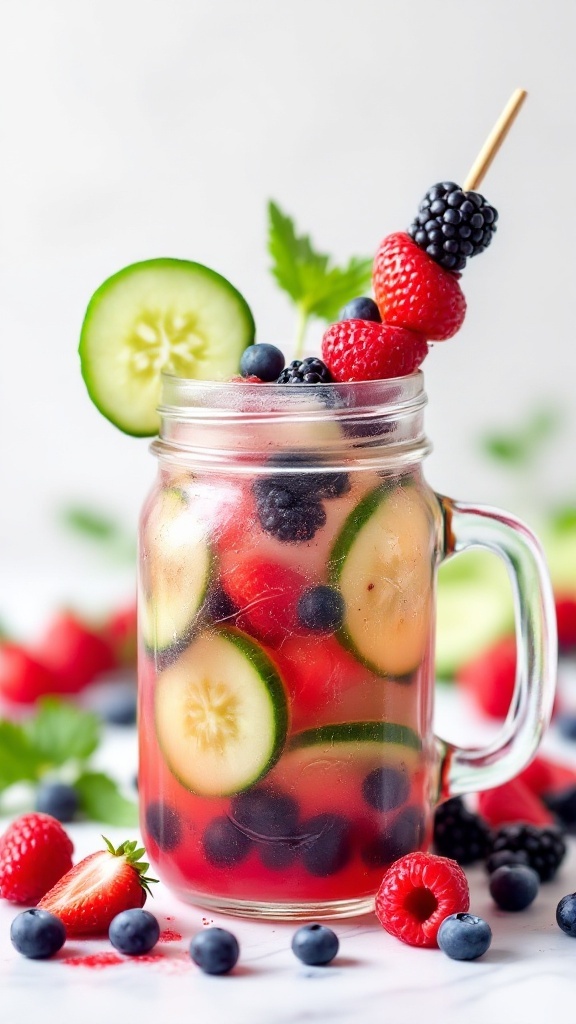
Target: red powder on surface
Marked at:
95, 960
169, 936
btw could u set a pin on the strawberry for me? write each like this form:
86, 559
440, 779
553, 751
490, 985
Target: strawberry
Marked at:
35, 852
266, 594
417, 893
566, 621
489, 677
414, 292
75, 653
102, 885
544, 776
24, 678
364, 350
119, 632
513, 802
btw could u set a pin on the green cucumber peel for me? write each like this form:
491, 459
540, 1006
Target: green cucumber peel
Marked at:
357, 732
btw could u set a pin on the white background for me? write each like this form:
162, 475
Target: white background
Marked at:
132, 129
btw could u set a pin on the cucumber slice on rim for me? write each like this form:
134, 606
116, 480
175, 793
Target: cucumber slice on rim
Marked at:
382, 562
221, 714
177, 568
159, 315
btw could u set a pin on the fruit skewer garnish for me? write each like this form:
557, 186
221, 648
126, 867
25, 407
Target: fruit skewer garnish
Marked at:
416, 277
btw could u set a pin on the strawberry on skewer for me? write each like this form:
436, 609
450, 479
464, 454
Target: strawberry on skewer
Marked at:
101, 886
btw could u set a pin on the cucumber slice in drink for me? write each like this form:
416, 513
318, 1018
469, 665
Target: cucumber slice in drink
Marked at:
177, 568
382, 562
221, 714
159, 315
325, 755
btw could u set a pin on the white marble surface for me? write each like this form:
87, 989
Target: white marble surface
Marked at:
527, 975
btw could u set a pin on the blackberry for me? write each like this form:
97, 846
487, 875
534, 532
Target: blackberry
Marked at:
452, 225
460, 834
545, 847
306, 371
289, 505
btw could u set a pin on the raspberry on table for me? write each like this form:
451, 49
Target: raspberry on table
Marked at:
35, 852
417, 893
459, 833
414, 292
545, 847
306, 371
453, 225
363, 350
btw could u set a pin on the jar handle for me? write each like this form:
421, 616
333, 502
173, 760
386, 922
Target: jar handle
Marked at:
474, 769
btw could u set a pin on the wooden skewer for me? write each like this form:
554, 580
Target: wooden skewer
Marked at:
494, 141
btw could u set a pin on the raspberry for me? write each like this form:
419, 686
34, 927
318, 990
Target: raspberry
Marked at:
305, 371
417, 893
453, 225
412, 291
545, 847
460, 834
364, 350
23, 677
266, 595
35, 852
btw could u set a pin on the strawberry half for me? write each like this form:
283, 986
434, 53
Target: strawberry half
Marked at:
102, 885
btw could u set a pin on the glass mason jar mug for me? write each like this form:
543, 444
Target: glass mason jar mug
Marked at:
288, 555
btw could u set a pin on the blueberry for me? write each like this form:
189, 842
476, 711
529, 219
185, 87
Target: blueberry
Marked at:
265, 813
278, 855
37, 934
514, 888
134, 932
566, 914
262, 360
325, 844
224, 844
58, 799
506, 858
403, 836
464, 937
385, 788
321, 609
315, 944
164, 825
361, 309
215, 950
117, 704
218, 606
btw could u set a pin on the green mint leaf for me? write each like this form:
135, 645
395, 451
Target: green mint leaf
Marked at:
101, 800
98, 528
19, 762
316, 287
61, 732
563, 520
505, 448
522, 446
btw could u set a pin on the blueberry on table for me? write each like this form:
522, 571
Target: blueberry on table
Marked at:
361, 309
514, 888
262, 360
164, 825
37, 934
224, 844
566, 914
134, 932
215, 950
315, 944
464, 936
321, 609
58, 799
385, 788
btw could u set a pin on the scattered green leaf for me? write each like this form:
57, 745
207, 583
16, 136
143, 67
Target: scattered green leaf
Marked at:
317, 287
101, 800
519, 448
563, 520
100, 529
61, 732
19, 761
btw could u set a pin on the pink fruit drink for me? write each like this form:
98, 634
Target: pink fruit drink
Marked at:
286, 649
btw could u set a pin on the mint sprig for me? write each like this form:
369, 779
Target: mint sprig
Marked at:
317, 287
519, 448
58, 742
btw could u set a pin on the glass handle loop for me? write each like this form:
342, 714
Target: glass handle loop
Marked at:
471, 770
